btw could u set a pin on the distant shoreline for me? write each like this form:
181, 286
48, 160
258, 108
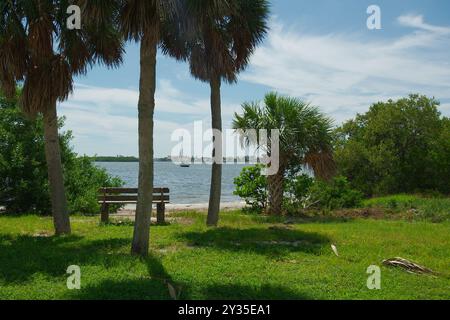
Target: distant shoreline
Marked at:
122, 159
133, 159
113, 159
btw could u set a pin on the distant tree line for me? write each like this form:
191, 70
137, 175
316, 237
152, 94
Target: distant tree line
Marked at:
114, 159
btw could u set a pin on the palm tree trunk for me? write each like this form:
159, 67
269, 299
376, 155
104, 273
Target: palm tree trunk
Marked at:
276, 192
216, 171
60, 214
146, 107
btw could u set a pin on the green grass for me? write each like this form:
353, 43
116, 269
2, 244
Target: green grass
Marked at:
413, 206
248, 257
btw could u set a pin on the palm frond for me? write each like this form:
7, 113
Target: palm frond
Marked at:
28, 52
138, 17
304, 133
226, 34
321, 163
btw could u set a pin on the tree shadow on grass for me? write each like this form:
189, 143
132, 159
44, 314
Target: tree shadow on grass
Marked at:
139, 289
271, 242
246, 292
151, 287
154, 289
23, 256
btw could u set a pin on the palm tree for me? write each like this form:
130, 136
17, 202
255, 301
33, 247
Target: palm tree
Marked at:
38, 49
305, 139
224, 34
147, 22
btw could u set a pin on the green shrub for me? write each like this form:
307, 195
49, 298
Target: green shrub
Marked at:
83, 180
297, 196
23, 169
336, 194
398, 146
251, 186
417, 207
301, 192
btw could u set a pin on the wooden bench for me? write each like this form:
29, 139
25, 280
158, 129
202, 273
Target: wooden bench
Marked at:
109, 196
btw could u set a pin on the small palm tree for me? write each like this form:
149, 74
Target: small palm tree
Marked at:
305, 138
38, 49
223, 35
148, 22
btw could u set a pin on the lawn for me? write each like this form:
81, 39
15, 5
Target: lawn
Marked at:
416, 207
248, 257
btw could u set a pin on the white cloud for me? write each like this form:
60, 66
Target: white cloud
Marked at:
344, 74
99, 132
417, 21
104, 120
341, 73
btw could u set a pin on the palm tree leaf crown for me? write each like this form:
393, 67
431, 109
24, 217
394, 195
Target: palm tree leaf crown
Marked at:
305, 134
148, 20
36, 47
218, 37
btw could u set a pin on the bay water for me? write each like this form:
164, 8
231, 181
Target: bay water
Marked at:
187, 185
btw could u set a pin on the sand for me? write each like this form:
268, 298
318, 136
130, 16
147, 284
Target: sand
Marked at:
130, 209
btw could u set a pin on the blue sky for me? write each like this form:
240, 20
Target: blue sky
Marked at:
320, 51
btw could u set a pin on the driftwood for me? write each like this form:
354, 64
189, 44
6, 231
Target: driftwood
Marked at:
407, 265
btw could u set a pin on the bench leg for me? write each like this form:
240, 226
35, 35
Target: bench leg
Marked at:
160, 213
105, 213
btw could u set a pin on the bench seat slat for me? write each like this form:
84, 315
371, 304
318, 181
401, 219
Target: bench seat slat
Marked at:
130, 190
129, 202
156, 198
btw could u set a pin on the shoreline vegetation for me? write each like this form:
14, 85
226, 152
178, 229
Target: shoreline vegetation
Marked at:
117, 158
406, 207
194, 160
120, 158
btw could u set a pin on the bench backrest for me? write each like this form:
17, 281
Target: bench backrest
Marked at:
160, 195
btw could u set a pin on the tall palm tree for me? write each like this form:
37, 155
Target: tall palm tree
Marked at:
305, 138
147, 22
226, 33
38, 49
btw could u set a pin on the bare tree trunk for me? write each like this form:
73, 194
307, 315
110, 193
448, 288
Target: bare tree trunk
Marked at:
60, 214
146, 107
216, 171
276, 193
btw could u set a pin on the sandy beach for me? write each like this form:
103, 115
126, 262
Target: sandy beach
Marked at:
129, 209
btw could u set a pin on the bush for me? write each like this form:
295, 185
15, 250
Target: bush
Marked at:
301, 192
398, 146
83, 180
23, 175
297, 195
23, 169
251, 185
336, 194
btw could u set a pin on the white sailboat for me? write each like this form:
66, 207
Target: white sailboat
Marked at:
183, 164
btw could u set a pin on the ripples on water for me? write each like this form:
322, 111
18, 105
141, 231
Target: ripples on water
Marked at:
187, 185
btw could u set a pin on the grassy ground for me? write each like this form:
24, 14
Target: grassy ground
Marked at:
248, 257
413, 207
